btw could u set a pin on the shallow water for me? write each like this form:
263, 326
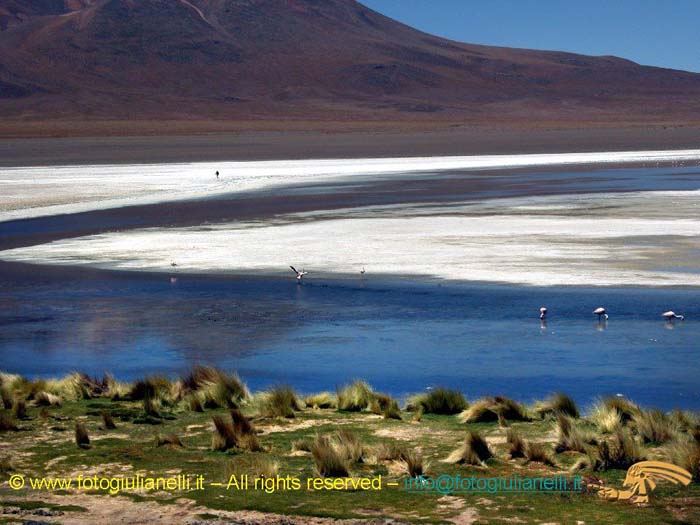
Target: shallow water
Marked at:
401, 337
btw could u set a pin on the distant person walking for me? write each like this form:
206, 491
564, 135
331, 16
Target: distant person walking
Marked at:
217, 174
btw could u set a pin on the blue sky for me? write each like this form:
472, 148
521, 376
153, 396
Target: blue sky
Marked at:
658, 33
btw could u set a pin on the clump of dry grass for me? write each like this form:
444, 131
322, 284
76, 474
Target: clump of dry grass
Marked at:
322, 400
241, 424
537, 452
19, 408
654, 426
569, 437
686, 454
355, 397
385, 405
194, 403
116, 390
516, 444
302, 445
612, 413
73, 387
6, 397
279, 401
618, 452
349, 446
440, 400
413, 463
44, 399
558, 403
234, 431
7, 423
329, 462
225, 437
474, 451
150, 406
170, 440
108, 420
152, 387
82, 439
389, 451
215, 388
264, 467
685, 421
489, 408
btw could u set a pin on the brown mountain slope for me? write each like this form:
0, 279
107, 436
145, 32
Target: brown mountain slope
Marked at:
300, 59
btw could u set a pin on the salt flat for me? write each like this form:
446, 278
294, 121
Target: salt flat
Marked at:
42, 191
639, 238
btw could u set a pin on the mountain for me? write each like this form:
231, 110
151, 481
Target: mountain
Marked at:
300, 59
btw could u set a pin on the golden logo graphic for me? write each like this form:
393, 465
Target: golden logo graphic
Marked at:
641, 480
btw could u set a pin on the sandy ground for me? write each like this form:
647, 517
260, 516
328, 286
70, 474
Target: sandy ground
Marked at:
61, 143
117, 509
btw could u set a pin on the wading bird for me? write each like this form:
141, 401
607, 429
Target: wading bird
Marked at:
671, 315
601, 312
300, 274
362, 272
543, 312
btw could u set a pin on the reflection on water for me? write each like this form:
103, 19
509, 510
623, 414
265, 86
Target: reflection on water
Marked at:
402, 338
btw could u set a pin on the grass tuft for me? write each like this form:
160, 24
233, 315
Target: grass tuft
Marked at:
385, 405
349, 446
516, 445
654, 426
329, 462
569, 437
19, 408
443, 401
488, 409
302, 445
108, 420
413, 463
234, 431
44, 399
474, 451
322, 400
224, 437
557, 404
537, 452
355, 397
170, 440
7, 423
619, 452
686, 454
82, 439
279, 401
218, 389
264, 467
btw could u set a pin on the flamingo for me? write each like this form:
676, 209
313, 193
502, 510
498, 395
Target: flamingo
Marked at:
300, 274
601, 312
543, 312
671, 315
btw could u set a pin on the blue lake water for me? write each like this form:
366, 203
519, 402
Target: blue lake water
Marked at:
401, 337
